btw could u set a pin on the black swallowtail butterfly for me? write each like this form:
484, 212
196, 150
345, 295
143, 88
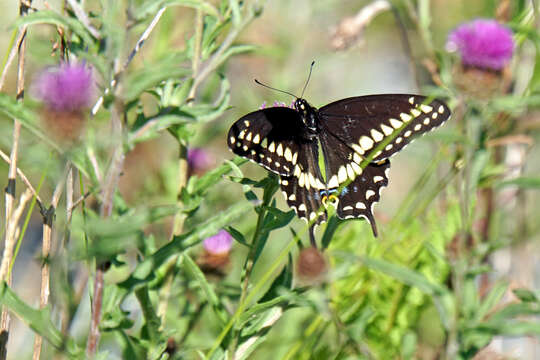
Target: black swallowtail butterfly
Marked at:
286, 141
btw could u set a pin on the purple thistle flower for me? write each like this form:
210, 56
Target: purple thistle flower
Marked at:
218, 244
482, 43
199, 159
67, 87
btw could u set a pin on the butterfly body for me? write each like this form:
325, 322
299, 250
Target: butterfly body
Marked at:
286, 141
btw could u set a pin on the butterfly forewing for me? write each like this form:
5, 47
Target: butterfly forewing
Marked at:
365, 121
269, 137
358, 197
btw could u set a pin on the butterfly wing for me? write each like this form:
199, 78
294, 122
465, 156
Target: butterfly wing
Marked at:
363, 122
363, 187
302, 189
270, 137
306, 203
357, 199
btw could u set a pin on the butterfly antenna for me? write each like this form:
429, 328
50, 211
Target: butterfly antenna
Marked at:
283, 91
309, 77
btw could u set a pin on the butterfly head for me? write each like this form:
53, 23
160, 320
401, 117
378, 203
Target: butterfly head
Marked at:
307, 112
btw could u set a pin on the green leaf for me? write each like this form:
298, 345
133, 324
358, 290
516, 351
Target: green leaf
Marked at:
152, 322
151, 127
491, 300
200, 279
276, 219
525, 295
511, 311
237, 235
255, 333
282, 281
236, 14
116, 235
209, 112
534, 83
522, 182
18, 111
514, 104
256, 309
209, 179
404, 275
145, 270
38, 320
480, 161
330, 230
151, 7
53, 18
146, 78
508, 328
236, 50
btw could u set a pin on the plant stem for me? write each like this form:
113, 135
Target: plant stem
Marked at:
24, 180
183, 169
48, 219
94, 335
108, 189
10, 188
132, 54
242, 305
248, 266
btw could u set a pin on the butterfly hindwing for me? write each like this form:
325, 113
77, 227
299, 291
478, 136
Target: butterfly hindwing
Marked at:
306, 203
358, 197
269, 137
302, 189
363, 122
342, 163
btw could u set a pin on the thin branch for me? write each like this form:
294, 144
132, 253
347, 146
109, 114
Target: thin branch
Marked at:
77, 202
93, 337
48, 218
24, 180
108, 190
134, 52
93, 160
11, 234
183, 168
350, 30
83, 18
216, 59
12, 172
14, 50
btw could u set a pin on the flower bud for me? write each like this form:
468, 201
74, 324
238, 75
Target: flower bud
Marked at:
311, 266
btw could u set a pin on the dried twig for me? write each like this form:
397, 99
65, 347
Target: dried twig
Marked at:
10, 188
83, 18
511, 140
14, 50
48, 218
77, 202
134, 52
108, 189
11, 234
350, 30
24, 179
